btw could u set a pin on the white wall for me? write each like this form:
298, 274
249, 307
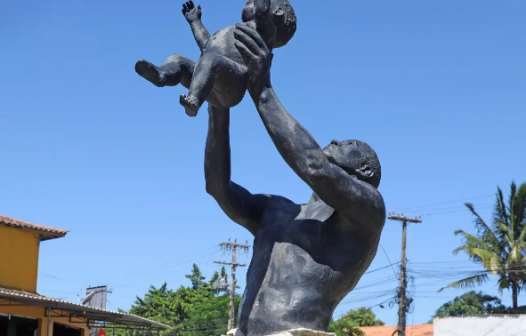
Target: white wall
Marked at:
497, 325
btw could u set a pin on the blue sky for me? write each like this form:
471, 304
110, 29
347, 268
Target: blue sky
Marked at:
438, 88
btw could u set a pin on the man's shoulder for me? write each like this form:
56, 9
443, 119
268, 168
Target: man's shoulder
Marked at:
371, 209
370, 195
276, 199
275, 202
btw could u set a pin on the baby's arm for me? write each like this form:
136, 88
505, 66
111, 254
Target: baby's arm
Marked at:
193, 16
264, 22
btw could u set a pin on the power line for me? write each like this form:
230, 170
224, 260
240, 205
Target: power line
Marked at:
448, 202
162, 266
387, 256
457, 207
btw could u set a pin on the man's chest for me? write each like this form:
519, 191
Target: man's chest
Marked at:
329, 242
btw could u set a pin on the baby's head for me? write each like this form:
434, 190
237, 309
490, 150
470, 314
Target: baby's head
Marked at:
283, 17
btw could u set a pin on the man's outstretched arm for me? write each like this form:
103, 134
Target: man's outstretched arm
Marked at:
295, 144
193, 16
238, 203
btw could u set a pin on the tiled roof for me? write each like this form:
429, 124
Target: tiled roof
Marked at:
78, 310
44, 231
413, 330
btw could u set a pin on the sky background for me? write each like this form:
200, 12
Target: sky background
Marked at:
438, 88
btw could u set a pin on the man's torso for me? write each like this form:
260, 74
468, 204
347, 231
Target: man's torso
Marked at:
301, 269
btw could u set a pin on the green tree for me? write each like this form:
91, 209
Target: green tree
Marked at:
190, 311
501, 247
196, 277
349, 323
471, 304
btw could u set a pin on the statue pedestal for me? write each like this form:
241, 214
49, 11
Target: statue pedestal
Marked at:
292, 332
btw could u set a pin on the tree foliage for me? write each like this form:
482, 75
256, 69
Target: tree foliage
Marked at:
500, 247
471, 304
348, 324
196, 310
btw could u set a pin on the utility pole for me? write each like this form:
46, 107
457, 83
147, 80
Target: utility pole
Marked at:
403, 301
229, 246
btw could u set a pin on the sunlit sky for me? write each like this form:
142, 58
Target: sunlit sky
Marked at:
438, 88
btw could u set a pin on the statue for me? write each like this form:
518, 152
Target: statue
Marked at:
306, 257
220, 75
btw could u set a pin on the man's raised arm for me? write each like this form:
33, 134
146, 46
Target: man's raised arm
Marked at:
238, 204
296, 145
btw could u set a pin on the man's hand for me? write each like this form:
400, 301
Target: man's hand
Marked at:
190, 12
257, 57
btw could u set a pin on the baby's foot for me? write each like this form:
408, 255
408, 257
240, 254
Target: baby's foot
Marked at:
189, 105
150, 72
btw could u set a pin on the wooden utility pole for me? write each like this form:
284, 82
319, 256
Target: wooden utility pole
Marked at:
403, 302
229, 246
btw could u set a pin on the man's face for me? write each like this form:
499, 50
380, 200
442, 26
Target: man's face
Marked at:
345, 154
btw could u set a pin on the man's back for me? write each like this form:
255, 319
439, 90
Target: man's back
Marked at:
301, 269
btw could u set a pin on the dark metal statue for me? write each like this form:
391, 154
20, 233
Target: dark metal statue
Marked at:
220, 75
307, 257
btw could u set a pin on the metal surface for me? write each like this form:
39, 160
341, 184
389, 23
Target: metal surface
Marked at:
96, 297
65, 309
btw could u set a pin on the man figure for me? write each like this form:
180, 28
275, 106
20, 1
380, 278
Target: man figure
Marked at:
308, 257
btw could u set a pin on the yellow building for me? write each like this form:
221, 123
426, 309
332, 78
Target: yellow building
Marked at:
23, 312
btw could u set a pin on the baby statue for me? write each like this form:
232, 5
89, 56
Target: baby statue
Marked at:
220, 75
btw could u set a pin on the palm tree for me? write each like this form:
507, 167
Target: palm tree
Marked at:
501, 247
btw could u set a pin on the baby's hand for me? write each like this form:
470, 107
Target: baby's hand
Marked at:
190, 12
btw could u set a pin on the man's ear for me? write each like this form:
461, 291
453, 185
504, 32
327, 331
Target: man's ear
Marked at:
365, 171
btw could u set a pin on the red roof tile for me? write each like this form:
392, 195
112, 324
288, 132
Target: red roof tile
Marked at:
413, 330
44, 231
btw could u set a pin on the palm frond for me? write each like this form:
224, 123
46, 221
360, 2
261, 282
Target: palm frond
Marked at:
505, 237
520, 247
489, 259
468, 282
515, 255
504, 283
473, 241
518, 207
481, 224
501, 211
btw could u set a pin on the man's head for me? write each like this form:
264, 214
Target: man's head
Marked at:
283, 16
356, 158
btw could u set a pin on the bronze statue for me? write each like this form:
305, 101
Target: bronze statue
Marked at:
306, 257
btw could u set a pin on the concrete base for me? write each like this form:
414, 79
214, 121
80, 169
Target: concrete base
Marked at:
293, 332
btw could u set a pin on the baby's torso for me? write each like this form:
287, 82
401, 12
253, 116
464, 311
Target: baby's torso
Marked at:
222, 43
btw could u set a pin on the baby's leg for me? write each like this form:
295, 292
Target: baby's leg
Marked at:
176, 69
228, 76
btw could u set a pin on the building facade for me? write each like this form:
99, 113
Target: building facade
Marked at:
491, 325
23, 312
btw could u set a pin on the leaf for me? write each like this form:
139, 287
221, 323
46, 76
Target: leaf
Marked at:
480, 223
472, 240
468, 282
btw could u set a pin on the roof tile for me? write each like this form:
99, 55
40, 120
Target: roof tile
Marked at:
413, 330
46, 232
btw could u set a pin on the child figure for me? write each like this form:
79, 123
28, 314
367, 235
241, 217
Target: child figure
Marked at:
220, 74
